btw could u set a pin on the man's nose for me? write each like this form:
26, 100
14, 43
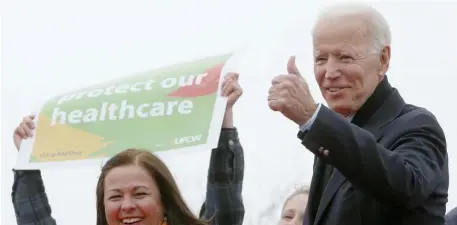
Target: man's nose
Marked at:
332, 69
127, 204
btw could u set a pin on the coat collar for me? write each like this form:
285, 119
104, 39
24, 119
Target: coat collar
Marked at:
383, 106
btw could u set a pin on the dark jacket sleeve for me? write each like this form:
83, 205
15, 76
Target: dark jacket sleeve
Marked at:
404, 175
30, 201
224, 203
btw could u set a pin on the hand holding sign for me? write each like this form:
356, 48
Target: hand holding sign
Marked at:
290, 95
24, 130
231, 89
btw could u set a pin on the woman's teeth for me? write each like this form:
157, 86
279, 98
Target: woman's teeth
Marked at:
131, 220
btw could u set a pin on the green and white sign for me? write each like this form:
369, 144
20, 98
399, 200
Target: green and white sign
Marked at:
171, 108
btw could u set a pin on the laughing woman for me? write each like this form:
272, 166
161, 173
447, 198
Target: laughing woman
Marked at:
136, 187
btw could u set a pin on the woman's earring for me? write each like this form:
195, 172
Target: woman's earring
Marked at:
164, 220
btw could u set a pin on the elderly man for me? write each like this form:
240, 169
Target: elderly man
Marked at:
377, 160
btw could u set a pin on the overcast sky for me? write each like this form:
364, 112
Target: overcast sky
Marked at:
50, 47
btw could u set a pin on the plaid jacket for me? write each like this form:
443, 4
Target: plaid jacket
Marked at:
223, 204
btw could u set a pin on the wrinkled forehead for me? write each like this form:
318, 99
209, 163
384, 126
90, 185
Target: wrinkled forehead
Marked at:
343, 32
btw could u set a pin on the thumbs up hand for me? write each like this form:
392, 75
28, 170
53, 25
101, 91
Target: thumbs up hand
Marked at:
290, 95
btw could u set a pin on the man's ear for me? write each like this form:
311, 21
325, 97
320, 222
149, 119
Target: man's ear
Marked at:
385, 61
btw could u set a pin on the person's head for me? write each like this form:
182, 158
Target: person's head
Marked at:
294, 207
137, 185
351, 44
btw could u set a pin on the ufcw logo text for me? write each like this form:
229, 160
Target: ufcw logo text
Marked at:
188, 139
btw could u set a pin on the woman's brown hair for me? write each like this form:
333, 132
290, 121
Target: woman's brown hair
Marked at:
176, 210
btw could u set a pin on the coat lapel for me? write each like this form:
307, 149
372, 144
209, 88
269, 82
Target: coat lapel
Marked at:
335, 182
316, 189
383, 106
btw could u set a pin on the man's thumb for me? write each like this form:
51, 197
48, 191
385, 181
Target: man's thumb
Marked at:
292, 67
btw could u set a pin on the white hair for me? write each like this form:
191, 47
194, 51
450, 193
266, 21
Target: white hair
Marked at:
379, 27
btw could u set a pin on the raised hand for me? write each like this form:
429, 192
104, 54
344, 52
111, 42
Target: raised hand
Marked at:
24, 130
290, 95
232, 90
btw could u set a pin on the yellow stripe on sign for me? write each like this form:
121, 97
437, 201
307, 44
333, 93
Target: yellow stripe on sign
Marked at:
62, 142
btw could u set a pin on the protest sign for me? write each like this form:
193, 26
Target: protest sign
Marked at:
175, 107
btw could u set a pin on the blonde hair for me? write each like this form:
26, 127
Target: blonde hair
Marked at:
303, 190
